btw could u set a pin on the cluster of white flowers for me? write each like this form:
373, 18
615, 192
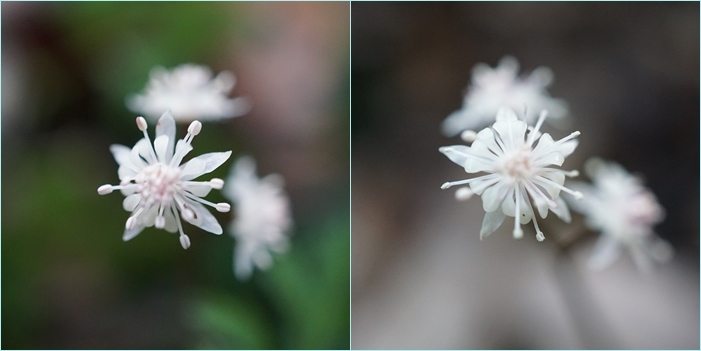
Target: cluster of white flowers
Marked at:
521, 176
159, 191
190, 93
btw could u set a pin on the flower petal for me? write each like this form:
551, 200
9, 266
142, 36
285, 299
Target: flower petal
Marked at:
490, 223
125, 172
130, 234
212, 160
510, 129
170, 225
562, 211
493, 196
161, 147
130, 202
480, 183
148, 218
484, 141
166, 126
192, 169
243, 264
605, 252
456, 153
567, 148
556, 177
121, 154
204, 219
136, 156
544, 142
200, 189
457, 122
181, 149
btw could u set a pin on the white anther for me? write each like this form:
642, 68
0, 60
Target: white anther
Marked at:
464, 193
105, 189
445, 185
539, 236
223, 207
141, 123
185, 241
518, 233
194, 128
216, 183
578, 195
573, 173
468, 136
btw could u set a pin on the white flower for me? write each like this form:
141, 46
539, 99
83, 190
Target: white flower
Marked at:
158, 189
190, 93
624, 211
494, 88
262, 216
515, 170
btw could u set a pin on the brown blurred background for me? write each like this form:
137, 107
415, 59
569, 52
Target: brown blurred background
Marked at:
421, 276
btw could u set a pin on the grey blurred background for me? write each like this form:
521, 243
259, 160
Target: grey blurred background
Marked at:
421, 278
68, 280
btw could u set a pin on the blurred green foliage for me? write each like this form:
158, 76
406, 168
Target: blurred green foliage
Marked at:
68, 279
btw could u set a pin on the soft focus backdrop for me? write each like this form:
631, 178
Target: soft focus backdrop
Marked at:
421, 276
68, 280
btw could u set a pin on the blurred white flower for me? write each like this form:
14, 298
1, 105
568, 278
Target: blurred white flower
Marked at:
515, 170
190, 93
262, 216
624, 211
158, 189
494, 88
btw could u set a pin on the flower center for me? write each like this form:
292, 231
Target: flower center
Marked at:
517, 163
159, 183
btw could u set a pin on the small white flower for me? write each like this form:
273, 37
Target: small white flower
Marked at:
515, 170
158, 189
494, 88
190, 93
262, 216
624, 211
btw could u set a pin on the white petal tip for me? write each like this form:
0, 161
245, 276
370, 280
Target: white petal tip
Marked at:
195, 128
540, 236
468, 136
445, 149
141, 123
223, 207
216, 183
131, 223
185, 241
445, 186
105, 189
160, 222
